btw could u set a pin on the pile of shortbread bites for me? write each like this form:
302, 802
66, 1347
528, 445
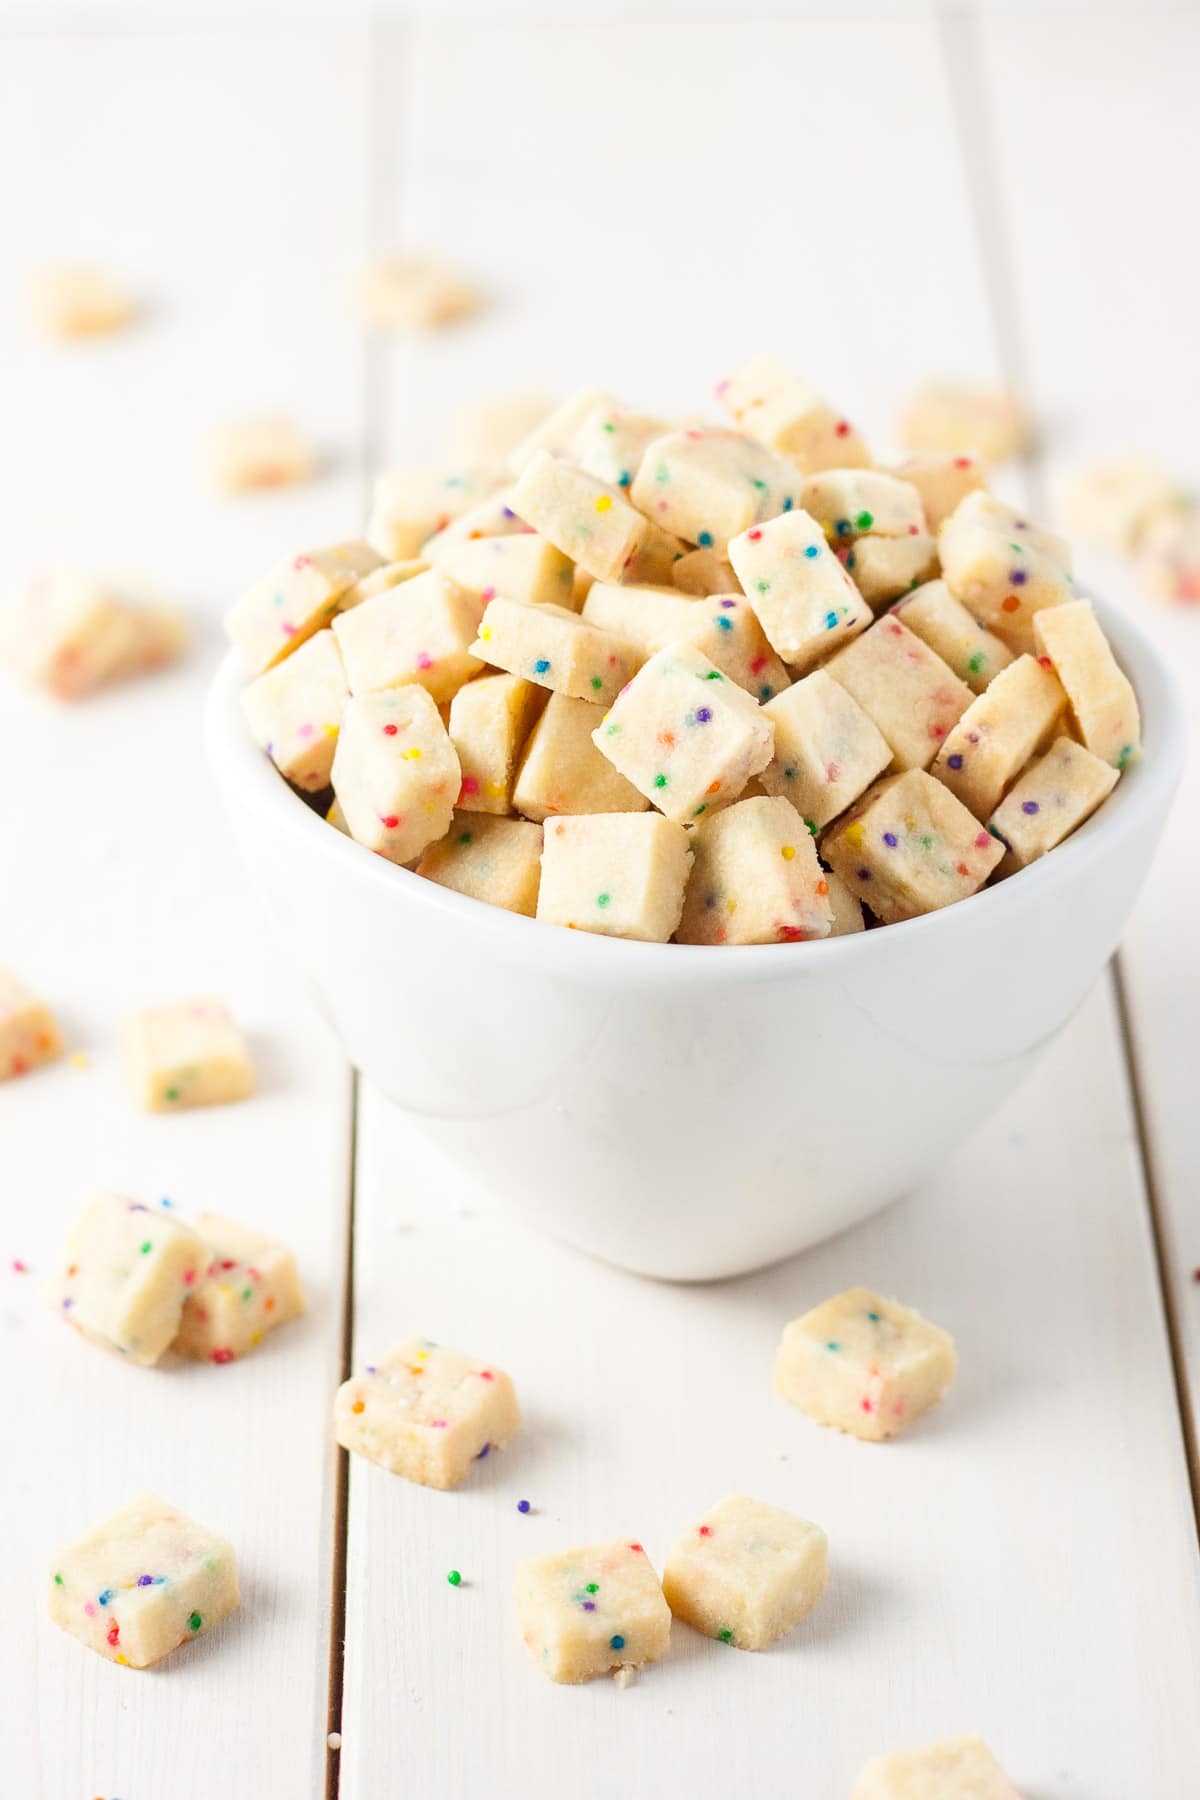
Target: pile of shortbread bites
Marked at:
723, 684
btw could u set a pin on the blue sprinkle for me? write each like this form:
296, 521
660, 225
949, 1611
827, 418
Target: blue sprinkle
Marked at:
788, 503
624, 478
830, 621
810, 550
540, 666
705, 539
106, 1596
616, 1643
955, 761
725, 624
522, 1506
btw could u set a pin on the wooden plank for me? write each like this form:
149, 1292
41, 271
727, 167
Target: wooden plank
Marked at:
180, 160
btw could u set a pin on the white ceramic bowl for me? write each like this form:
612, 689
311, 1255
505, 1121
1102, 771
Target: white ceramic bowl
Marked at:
681, 1111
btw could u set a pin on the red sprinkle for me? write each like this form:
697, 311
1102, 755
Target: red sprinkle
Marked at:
390, 730
222, 1356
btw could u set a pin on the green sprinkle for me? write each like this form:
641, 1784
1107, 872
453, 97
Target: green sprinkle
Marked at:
726, 1636
700, 809
172, 1094
611, 730
864, 521
608, 426
603, 899
465, 838
760, 485
593, 1587
926, 843
662, 473
764, 587
454, 1578
832, 1346
195, 1622
976, 662
58, 1581
713, 675
146, 1248
1124, 759
789, 774
811, 826
597, 682
246, 1293
874, 1317
660, 781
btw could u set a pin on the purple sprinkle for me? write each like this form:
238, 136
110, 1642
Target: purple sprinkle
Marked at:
890, 839
509, 513
522, 1506
136, 1206
483, 1453
68, 1303
589, 1606
1018, 577
703, 714
955, 761
728, 603
371, 1369
864, 874
145, 1580
1030, 806
1022, 525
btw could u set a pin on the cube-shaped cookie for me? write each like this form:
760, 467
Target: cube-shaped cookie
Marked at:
1116, 502
419, 631
586, 1612
563, 772
747, 1573
911, 694
1052, 798
685, 735
259, 453
587, 519
249, 1287
953, 416
29, 1034
961, 1768
294, 600
1169, 556
557, 429
79, 302
522, 566
756, 878
415, 293
1000, 730
703, 572
426, 1412
724, 628
611, 442
847, 913
411, 505
909, 847
849, 503
804, 599
1103, 703
388, 575
883, 568
1002, 567
943, 479
396, 772
68, 634
781, 412
127, 1271
159, 636
187, 1054
497, 860
615, 874
489, 432
706, 484
143, 1583
556, 649
864, 1364
827, 750
295, 709
944, 623
490, 719
491, 517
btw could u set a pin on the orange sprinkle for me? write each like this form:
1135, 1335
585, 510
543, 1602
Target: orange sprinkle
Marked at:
359, 1406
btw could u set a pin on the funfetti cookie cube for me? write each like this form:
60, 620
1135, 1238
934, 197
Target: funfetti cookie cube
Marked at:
952, 416
557, 430
1003, 568
724, 628
803, 597
260, 453
71, 303
563, 772
685, 735
1052, 798
942, 479
521, 567
388, 575
411, 505
556, 649
250, 1287
160, 636
910, 693
426, 1412
127, 1272
490, 720
587, 519
846, 910
961, 1768
783, 413
706, 485
611, 442
496, 860
187, 1054
756, 878
1114, 502
864, 1364
415, 293
616, 874
998, 733
883, 568
67, 633
489, 432
1103, 703
586, 1612
944, 623
909, 847
849, 503
295, 709
747, 1573
703, 572
1169, 556
29, 1034
293, 601
143, 1583
827, 750
396, 772
491, 517
419, 632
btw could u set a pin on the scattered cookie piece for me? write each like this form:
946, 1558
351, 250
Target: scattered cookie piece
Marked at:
909, 847
72, 634
187, 1054
1115, 502
616, 874
249, 1287
426, 1412
866, 1365
260, 453
1169, 556
126, 1275
960, 1768
747, 1573
957, 417
70, 303
489, 433
781, 412
29, 1034
415, 293
584, 1613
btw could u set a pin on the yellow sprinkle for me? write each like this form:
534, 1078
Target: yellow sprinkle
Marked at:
78, 1060
604, 503
496, 789
413, 755
855, 834
787, 852
485, 632
330, 730
256, 1337
731, 906
224, 1288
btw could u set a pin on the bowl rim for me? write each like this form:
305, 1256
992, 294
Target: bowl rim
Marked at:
249, 782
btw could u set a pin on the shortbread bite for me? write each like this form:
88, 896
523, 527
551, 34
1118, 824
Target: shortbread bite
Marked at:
611, 442
953, 417
703, 572
909, 847
961, 1768
1002, 568
616, 874
142, 1584
781, 412
292, 602
420, 632
80, 303
426, 1412
706, 485
556, 649
804, 599
685, 735
910, 693
390, 575
261, 453
249, 1287
942, 479
850, 503
557, 429
1051, 800
1103, 703
395, 772
409, 506
490, 719
747, 1573
756, 878
1000, 730
883, 568
587, 519
415, 293
847, 913
295, 709
160, 636
563, 772
497, 860
29, 1034
521, 567
827, 750
127, 1272
864, 1364
187, 1054
1169, 556
586, 1612
491, 517
68, 634
723, 627
944, 623
337, 818
488, 433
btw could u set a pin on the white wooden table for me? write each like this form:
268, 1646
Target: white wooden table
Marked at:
649, 204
